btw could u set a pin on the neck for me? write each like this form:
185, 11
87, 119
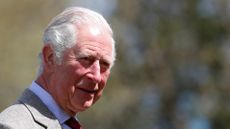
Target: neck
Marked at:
43, 82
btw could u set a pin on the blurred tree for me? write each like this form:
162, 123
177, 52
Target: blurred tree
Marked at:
21, 26
175, 47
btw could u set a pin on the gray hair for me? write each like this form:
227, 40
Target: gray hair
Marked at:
61, 32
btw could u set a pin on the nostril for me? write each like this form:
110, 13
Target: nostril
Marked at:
94, 77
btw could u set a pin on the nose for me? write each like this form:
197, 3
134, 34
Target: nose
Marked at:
95, 71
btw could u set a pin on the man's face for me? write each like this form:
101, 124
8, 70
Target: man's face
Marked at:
79, 80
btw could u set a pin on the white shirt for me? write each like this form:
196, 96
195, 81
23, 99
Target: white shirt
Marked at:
48, 100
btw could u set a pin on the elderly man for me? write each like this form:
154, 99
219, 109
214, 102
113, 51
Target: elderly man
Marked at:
78, 53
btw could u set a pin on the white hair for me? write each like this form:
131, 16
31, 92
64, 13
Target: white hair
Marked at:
61, 32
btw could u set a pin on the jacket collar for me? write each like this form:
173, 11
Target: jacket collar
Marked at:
39, 111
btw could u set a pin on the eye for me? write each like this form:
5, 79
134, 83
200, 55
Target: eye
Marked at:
85, 60
104, 65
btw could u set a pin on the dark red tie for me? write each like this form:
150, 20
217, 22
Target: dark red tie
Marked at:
73, 123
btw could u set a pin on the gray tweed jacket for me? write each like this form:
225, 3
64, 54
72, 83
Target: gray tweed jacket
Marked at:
29, 112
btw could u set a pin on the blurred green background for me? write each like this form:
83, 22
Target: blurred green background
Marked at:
172, 69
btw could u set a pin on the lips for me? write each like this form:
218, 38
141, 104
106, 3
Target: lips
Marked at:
87, 90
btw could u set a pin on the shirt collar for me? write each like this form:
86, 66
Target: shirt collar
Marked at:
48, 100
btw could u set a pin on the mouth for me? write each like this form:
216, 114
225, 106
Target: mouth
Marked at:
87, 90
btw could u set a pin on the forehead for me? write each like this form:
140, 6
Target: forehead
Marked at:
97, 33
94, 40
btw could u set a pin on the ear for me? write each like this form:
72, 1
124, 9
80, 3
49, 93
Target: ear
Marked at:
48, 57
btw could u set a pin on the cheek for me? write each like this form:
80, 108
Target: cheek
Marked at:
98, 95
103, 82
75, 72
105, 77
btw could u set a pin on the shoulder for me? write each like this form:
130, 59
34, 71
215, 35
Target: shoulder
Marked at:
16, 116
14, 112
28, 113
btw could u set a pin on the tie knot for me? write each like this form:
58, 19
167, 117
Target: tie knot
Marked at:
73, 123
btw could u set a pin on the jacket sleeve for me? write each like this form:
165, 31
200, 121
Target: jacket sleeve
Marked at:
3, 126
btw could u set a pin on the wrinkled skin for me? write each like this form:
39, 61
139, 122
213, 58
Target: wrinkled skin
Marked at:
78, 82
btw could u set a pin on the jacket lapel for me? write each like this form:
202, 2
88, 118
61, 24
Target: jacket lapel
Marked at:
39, 111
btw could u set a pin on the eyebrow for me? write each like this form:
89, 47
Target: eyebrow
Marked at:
91, 54
83, 54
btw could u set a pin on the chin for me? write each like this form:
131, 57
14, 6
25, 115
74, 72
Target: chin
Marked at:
88, 104
80, 108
